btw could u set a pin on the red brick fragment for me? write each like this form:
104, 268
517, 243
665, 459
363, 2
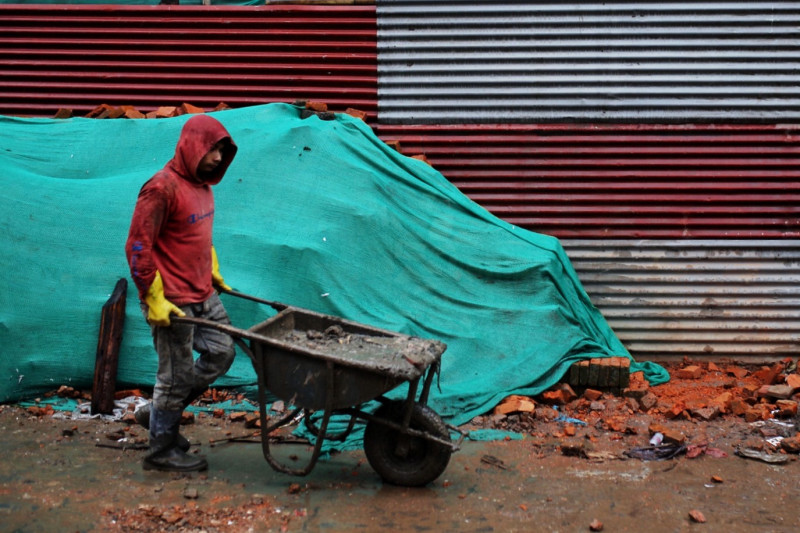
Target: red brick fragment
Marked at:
786, 408
356, 113
422, 158
188, 109
165, 112
690, 372
128, 111
767, 375
791, 444
515, 404
561, 394
793, 381
592, 394
737, 371
317, 106
395, 145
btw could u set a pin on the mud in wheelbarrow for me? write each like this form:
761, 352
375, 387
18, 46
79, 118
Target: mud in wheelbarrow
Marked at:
329, 365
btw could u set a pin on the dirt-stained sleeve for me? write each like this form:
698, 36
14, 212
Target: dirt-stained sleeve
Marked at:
149, 215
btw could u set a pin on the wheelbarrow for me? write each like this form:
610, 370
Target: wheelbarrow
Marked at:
318, 362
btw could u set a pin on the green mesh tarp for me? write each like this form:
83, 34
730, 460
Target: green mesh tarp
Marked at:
318, 214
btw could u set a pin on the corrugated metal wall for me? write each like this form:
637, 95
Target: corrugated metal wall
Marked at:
737, 299
523, 61
622, 180
80, 56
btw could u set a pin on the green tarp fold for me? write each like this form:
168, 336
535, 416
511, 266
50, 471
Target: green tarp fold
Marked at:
318, 214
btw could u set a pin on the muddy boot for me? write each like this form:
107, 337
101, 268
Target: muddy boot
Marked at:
164, 452
142, 416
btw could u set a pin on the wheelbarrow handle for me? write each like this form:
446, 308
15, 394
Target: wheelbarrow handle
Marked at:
224, 328
275, 305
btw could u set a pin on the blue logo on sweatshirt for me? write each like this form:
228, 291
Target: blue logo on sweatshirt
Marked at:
197, 218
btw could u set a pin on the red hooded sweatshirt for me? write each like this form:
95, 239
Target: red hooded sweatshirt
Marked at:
172, 222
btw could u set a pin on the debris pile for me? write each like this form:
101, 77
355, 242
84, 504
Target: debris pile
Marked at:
761, 399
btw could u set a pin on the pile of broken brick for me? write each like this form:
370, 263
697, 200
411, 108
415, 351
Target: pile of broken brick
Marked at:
308, 109
603, 393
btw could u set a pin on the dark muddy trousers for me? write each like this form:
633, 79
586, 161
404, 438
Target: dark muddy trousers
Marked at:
180, 376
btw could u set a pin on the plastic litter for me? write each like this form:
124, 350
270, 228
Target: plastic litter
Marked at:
656, 453
657, 439
772, 458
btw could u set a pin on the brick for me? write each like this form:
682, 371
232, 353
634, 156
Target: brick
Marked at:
421, 157
63, 113
613, 372
356, 113
592, 394
670, 435
222, 106
723, 401
793, 381
189, 109
574, 375
594, 373
624, 372
674, 411
165, 112
767, 375
317, 106
775, 391
757, 413
252, 420
690, 372
583, 368
738, 407
562, 394
637, 394
737, 372
602, 372
100, 111
786, 408
128, 111
515, 404
648, 401
791, 444
395, 145
750, 390
706, 413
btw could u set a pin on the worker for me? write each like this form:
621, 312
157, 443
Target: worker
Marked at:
175, 268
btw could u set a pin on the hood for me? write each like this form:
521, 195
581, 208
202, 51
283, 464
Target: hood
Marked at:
198, 136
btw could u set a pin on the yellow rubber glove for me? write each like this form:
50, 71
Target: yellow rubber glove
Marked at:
160, 307
216, 277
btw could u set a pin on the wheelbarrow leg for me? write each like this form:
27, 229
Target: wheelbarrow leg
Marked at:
323, 429
401, 450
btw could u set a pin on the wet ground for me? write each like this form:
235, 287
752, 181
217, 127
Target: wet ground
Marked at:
59, 474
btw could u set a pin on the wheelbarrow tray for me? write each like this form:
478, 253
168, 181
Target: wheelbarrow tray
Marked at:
300, 353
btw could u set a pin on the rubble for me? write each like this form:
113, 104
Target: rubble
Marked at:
697, 393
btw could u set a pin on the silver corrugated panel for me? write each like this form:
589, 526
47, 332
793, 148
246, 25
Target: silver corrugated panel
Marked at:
471, 61
737, 299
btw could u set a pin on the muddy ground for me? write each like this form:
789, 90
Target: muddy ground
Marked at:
588, 469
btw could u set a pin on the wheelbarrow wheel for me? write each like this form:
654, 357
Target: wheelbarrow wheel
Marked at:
402, 459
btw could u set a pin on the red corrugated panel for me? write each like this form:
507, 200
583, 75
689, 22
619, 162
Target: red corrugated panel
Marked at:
622, 181
79, 56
